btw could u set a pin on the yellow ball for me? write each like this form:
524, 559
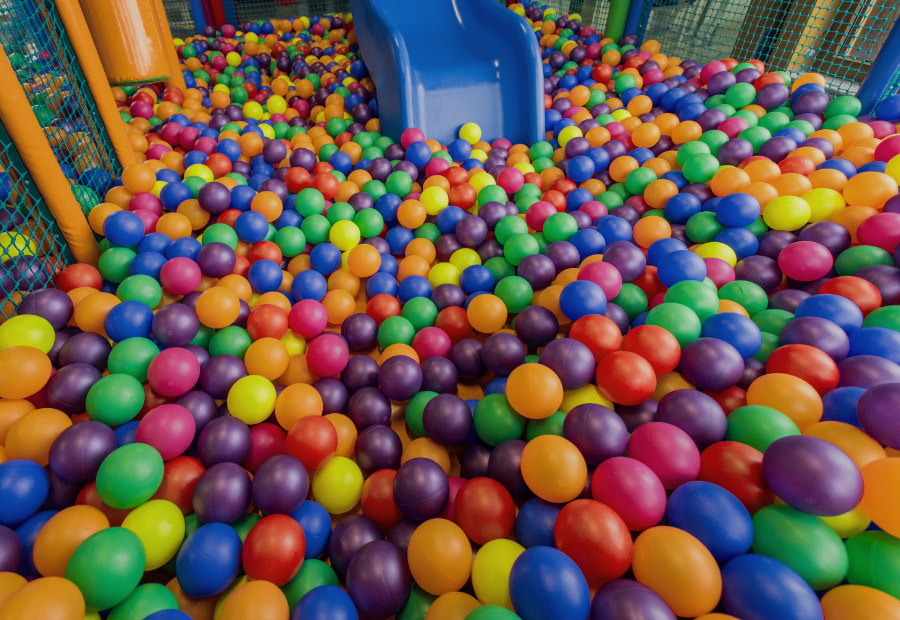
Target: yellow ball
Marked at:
221, 88
787, 213
295, 344
568, 133
13, 244
443, 273
160, 526
464, 257
27, 330
253, 109
715, 249
479, 155
848, 524
893, 168
434, 199
202, 171
621, 114
823, 203
252, 399
233, 58
582, 396
157, 188
337, 485
276, 105
481, 180
490, 571
267, 130
470, 132
344, 234
524, 167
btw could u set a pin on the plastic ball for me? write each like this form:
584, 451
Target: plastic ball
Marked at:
106, 567
337, 485
209, 560
632, 489
440, 556
545, 583
553, 468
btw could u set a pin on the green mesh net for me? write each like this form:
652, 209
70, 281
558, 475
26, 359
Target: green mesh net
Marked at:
32, 247
593, 12
837, 38
181, 21
261, 10
39, 50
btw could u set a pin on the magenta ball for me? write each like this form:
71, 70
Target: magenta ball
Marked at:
604, 275
168, 428
805, 261
173, 372
431, 342
327, 355
881, 230
632, 489
180, 275
308, 318
667, 450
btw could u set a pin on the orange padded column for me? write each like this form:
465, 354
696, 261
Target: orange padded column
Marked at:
175, 77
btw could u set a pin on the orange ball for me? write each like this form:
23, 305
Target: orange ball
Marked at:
218, 307
650, 229
411, 214
297, 401
790, 395
53, 598
486, 313
425, 448
174, 225
553, 468
346, 433
534, 391
686, 131
851, 217
658, 192
267, 357
90, 313
339, 304
729, 180
762, 170
61, 535
364, 260
646, 135
10, 411
261, 600
268, 204
138, 178
440, 556
870, 189
621, 167
31, 436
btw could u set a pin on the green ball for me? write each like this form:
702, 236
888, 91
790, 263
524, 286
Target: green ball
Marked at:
552, 425
500, 268
327, 151
374, 188
290, 240
519, 246
415, 410
769, 343
395, 329
772, 320
699, 297
620, 189
749, 294
132, 356
848, 105
677, 319
196, 184
886, 316
399, 183
806, 127
129, 475
312, 574
689, 149
416, 605
540, 150
495, 421
420, 312
610, 200
713, 138
492, 193
340, 211
244, 524
624, 82
142, 288
637, 181
740, 95
335, 127
309, 201
231, 340
758, 227
238, 94
700, 168
491, 612
115, 399
146, 599
220, 233
561, 226
874, 559
86, 197
509, 226
836, 122
429, 231
114, 263
632, 299
774, 120
204, 335
756, 136
747, 115
107, 566
541, 241
855, 258
802, 541
316, 228
515, 292
370, 222
758, 426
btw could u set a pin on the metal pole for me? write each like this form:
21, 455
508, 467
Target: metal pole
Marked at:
881, 74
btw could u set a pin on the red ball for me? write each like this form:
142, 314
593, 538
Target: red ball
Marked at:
78, 275
377, 499
264, 249
656, 345
383, 306
266, 440
485, 510
730, 399
267, 321
180, 476
297, 179
625, 378
737, 468
596, 538
861, 292
809, 363
598, 333
274, 549
455, 323
312, 440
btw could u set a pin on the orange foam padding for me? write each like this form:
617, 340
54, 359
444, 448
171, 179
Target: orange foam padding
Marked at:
89, 60
37, 155
175, 77
128, 39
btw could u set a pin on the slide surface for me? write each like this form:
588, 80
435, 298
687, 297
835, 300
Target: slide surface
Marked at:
438, 64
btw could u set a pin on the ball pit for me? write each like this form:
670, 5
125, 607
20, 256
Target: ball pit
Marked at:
645, 367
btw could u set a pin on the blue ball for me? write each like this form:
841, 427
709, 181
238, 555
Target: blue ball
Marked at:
535, 521
787, 596
186, 247
127, 433
341, 162
194, 157
680, 207
476, 278
577, 197
546, 583
241, 197
580, 168
413, 286
448, 218
588, 242
230, 148
316, 524
839, 405
28, 532
251, 227
600, 158
661, 248
23, 488
387, 206
738, 209
580, 298
680, 266
288, 218
325, 603
676, 177
208, 560
736, 329
389, 265
741, 240
381, 283
123, 228
168, 614
835, 308
614, 228
889, 109
148, 264
325, 258
459, 150
714, 516
309, 284
265, 276
129, 319
398, 238
173, 194
879, 341
418, 153
841, 165
497, 386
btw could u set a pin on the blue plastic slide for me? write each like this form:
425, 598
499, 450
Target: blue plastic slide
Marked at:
438, 64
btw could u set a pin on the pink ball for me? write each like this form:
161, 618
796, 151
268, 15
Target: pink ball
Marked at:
168, 428
630, 488
888, 148
149, 218
327, 355
188, 137
595, 209
667, 450
206, 145
615, 129
653, 76
881, 230
308, 318
733, 126
173, 372
171, 131
511, 180
806, 260
411, 135
146, 200
180, 275
436, 166
502, 143
711, 68
882, 129
720, 272
604, 275
431, 342
157, 151
141, 109
538, 213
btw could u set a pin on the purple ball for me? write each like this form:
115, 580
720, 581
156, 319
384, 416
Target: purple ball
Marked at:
812, 102
787, 299
63, 493
50, 304
334, 395
505, 466
734, 152
886, 280
67, 389
501, 353
626, 599
817, 332
538, 269
360, 331
175, 325
361, 372
349, 536
617, 315
224, 440
202, 407
635, 415
219, 373
720, 82
216, 259
421, 489
877, 410
445, 246
280, 485
214, 198
401, 533
439, 375
222, 493
378, 579
773, 242
812, 475
563, 254
86, 348
772, 95
760, 270
400, 377
536, 326
368, 407
474, 461
822, 144
627, 258
76, 454
471, 231
571, 360
777, 148
830, 234
867, 371
10, 550
274, 151
447, 419
596, 431
447, 295
711, 119
700, 190
711, 364
378, 447
753, 370
696, 413
466, 356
